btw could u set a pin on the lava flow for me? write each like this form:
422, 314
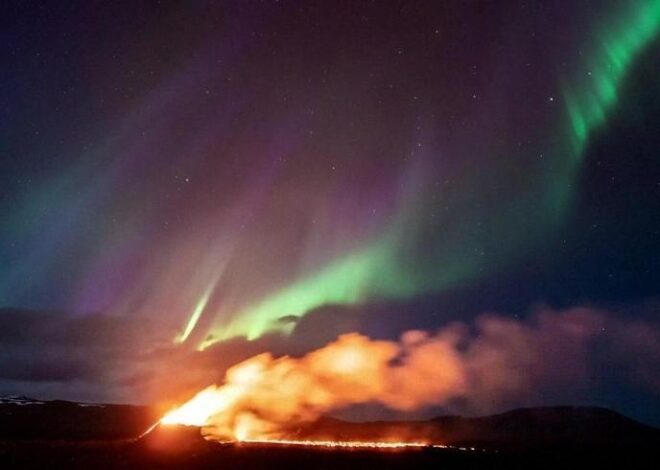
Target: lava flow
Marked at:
376, 445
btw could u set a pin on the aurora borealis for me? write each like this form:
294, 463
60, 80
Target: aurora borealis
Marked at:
258, 174
376, 270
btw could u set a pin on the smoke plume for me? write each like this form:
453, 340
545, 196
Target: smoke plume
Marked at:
499, 360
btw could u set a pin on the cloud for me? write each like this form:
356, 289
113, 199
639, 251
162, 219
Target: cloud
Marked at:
59, 356
551, 356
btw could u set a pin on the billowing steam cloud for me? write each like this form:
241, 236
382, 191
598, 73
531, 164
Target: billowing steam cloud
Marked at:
498, 360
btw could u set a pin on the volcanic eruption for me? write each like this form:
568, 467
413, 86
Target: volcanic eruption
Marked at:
264, 398
495, 362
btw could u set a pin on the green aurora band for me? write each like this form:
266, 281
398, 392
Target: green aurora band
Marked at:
378, 270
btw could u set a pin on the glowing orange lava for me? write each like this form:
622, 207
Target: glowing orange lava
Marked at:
345, 444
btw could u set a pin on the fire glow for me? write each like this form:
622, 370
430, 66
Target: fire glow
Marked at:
274, 398
263, 397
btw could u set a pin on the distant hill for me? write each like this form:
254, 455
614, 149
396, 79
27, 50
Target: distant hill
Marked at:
23, 418
543, 427
579, 426
26, 418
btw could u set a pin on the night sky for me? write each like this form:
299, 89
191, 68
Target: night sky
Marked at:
186, 184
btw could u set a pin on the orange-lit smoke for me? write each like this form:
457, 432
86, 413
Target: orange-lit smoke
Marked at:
262, 395
496, 363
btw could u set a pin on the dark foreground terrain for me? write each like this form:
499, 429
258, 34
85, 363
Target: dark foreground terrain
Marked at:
109, 454
67, 435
